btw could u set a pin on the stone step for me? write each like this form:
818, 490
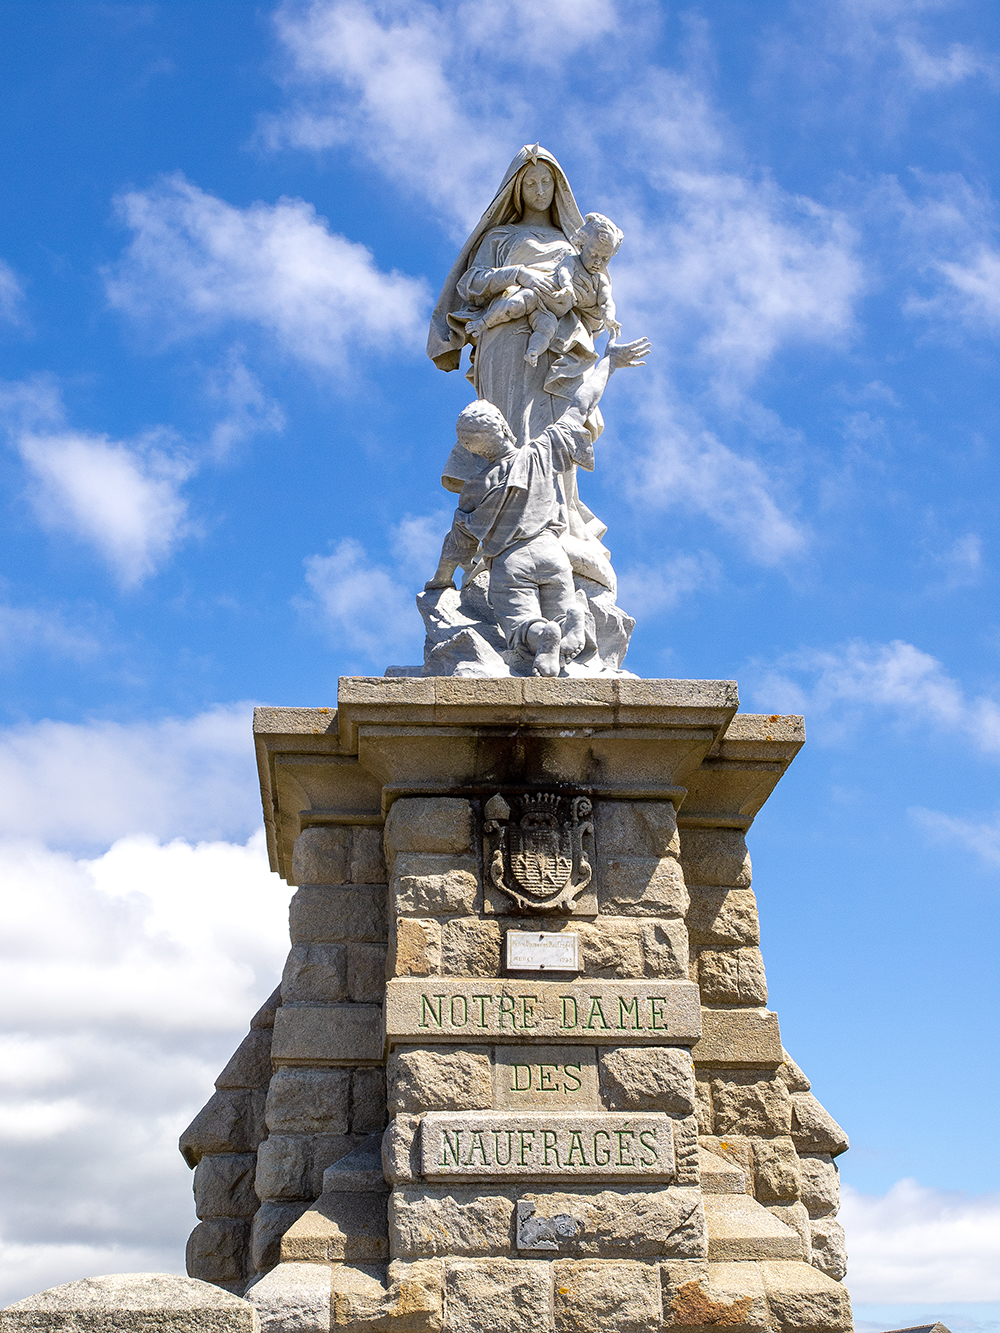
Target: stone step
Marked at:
719, 1176
358, 1171
740, 1229
338, 1228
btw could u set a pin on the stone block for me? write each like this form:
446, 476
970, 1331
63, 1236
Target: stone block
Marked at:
339, 1228
748, 1102
733, 1149
647, 1078
223, 1186
250, 1065
438, 1078
231, 1121
366, 973
607, 1297
320, 915
732, 976
795, 1217
400, 1150
720, 1295
497, 1295
360, 1171
415, 947
270, 1223
367, 860
293, 1298
415, 1299
665, 949
429, 824
793, 1075
291, 1166
820, 1183
718, 1176
802, 1298
716, 856
368, 1103
828, 1247
460, 1220
814, 1128
739, 1228
470, 947
358, 1298
630, 828
316, 972
133, 1303
264, 1017
218, 1250
722, 917
545, 1078
776, 1176
641, 886
629, 1223
687, 1153
434, 885
703, 1102
611, 947
322, 856
327, 1034
738, 1037
309, 1101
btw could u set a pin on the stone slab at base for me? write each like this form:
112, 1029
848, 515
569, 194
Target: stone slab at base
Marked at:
132, 1303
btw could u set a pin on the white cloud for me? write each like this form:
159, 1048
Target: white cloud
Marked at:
86, 784
646, 590
416, 540
23, 629
196, 262
248, 409
916, 1244
11, 295
979, 836
365, 606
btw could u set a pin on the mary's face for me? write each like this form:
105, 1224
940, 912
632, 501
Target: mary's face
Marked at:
537, 187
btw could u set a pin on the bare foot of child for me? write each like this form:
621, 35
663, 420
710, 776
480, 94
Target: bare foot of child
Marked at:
574, 634
547, 652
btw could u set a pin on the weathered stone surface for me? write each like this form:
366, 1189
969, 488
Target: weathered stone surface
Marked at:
367, 860
703, 1101
264, 1017
814, 1128
460, 1220
291, 1166
527, 1145
828, 1247
719, 1176
429, 824
359, 1171
732, 976
687, 1154
628, 828
410, 1301
715, 856
315, 972
293, 1298
435, 885
447, 1009
630, 1223
270, 1223
543, 1078
136, 1302
334, 915
309, 1101
327, 1034
793, 1075
368, 1101
415, 947
739, 1228
439, 1078
366, 973
776, 1175
223, 1185
471, 947
322, 856
497, 1295
650, 1078
736, 1037
340, 1227
820, 1183
795, 1217
641, 886
665, 949
611, 947
217, 1251
734, 1149
250, 1066
230, 1121
719, 917
401, 1149
800, 1297
720, 1295
613, 1297
745, 1102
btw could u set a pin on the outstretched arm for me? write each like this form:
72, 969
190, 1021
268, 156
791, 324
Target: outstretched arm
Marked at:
617, 356
458, 549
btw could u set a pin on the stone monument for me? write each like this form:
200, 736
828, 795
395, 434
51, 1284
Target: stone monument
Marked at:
520, 1074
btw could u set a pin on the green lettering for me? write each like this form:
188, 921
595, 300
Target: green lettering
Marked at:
507, 1010
549, 1146
657, 1014
595, 1012
528, 1003
601, 1155
516, 1085
621, 1134
568, 1075
576, 1146
446, 1144
482, 1008
477, 1142
648, 1133
630, 1010
427, 1008
459, 1022
566, 1001
528, 1147
545, 1083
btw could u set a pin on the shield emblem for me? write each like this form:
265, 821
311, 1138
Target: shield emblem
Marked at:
535, 851
541, 860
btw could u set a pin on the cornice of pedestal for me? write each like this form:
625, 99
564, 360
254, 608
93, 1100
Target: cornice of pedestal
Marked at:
741, 770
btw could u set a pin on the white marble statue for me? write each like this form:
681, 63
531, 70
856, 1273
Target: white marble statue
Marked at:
528, 294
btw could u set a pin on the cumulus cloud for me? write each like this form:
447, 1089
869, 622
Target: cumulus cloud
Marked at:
196, 263
648, 590
915, 1244
362, 605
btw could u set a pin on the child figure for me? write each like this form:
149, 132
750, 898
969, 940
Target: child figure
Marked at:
579, 281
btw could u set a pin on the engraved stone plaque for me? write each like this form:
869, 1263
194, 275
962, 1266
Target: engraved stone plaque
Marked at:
501, 1144
545, 1078
543, 951
440, 1009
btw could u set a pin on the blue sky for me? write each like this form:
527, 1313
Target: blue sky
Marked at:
223, 229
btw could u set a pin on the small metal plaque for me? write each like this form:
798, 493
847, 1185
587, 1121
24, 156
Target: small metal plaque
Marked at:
543, 951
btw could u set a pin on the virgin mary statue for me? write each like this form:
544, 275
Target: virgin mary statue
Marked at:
526, 231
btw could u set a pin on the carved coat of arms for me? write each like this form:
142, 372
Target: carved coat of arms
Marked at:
536, 852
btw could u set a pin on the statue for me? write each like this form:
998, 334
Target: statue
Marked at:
528, 293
